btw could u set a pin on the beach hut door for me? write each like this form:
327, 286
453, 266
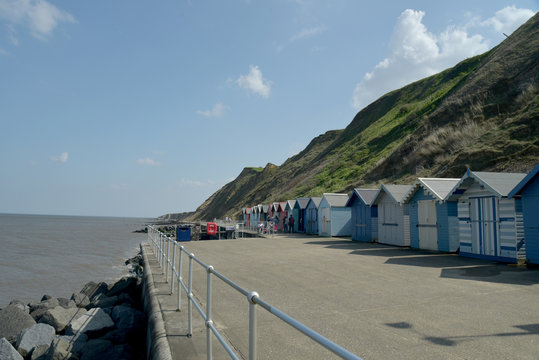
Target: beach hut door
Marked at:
360, 223
325, 221
484, 226
428, 232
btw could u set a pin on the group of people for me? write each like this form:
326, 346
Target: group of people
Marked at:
288, 223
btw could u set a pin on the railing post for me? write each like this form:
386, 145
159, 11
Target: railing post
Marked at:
173, 267
180, 280
163, 255
189, 301
162, 251
252, 325
209, 321
167, 263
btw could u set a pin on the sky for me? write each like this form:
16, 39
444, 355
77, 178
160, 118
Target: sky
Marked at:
136, 108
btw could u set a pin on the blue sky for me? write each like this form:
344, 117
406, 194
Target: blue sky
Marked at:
131, 108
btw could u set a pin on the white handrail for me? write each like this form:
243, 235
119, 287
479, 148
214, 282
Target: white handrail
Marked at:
161, 246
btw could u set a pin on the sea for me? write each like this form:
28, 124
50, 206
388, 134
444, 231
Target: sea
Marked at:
58, 255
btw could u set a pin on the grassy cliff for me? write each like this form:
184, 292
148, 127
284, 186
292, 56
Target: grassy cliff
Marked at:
483, 113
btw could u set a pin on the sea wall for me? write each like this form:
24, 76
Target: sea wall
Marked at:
157, 345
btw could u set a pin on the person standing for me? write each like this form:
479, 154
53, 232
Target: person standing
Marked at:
291, 224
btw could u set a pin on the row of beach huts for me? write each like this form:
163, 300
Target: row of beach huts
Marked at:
488, 215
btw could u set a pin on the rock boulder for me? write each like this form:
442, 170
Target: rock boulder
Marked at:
29, 338
81, 300
40, 352
12, 321
8, 352
124, 285
92, 322
20, 305
60, 317
93, 289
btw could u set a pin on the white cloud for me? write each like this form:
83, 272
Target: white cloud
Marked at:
188, 182
62, 158
416, 53
40, 16
255, 82
148, 162
308, 32
508, 19
218, 110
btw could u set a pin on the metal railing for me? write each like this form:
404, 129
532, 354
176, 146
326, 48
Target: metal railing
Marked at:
162, 244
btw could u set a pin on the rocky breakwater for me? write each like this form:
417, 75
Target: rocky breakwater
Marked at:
101, 321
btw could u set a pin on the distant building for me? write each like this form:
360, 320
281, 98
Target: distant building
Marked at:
334, 217
490, 224
433, 221
364, 215
528, 190
393, 215
311, 215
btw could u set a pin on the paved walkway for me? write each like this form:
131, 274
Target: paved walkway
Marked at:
377, 301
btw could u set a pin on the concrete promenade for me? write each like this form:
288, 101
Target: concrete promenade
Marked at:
377, 301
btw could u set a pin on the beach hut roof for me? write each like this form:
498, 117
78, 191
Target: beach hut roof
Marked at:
498, 183
436, 187
315, 200
265, 208
366, 195
395, 192
517, 189
290, 205
301, 203
336, 199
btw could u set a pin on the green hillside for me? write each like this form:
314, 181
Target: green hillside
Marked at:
483, 113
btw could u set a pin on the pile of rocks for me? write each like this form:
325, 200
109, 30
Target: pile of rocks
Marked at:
100, 322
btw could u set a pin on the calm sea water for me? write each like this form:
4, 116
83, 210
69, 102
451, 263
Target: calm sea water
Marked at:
57, 255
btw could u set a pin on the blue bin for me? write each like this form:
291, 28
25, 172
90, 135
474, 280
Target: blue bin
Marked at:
183, 233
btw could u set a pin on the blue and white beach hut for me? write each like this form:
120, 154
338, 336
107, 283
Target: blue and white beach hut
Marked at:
528, 191
311, 215
393, 215
300, 210
433, 221
490, 224
364, 215
334, 218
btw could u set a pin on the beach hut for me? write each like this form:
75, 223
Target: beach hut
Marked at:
263, 212
490, 224
364, 215
528, 190
311, 215
270, 211
433, 221
300, 211
247, 218
393, 215
289, 208
334, 216
282, 214
256, 219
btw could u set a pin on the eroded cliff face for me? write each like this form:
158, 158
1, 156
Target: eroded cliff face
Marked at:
483, 113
